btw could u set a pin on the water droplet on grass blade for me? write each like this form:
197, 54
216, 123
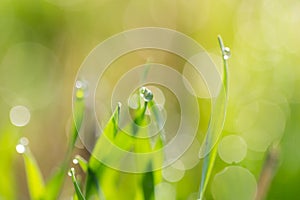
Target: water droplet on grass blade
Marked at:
71, 171
79, 84
158, 95
146, 94
226, 53
21, 147
75, 161
81, 89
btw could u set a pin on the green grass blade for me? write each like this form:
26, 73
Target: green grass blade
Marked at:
110, 132
95, 167
8, 136
34, 176
215, 125
82, 163
97, 172
151, 178
148, 184
78, 192
55, 183
93, 189
79, 108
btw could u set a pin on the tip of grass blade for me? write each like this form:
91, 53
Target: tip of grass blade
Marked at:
35, 179
82, 162
78, 191
209, 160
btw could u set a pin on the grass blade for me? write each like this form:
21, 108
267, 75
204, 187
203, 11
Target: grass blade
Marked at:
79, 194
79, 108
34, 176
95, 168
82, 163
148, 185
216, 124
55, 183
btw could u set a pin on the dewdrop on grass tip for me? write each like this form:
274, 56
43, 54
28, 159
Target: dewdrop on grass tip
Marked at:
71, 172
146, 94
75, 161
21, 147
226, 53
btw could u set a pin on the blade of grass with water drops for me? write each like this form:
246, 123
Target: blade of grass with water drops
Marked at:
37, 188
215, 125
151, 178
54, 184
78, 191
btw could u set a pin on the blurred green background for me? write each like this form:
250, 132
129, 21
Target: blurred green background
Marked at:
44, 42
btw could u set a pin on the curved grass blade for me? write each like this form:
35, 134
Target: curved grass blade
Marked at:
79, 194
54, 184
215, 125
34, 176
92, 189
95, 168
110, 132
82, 163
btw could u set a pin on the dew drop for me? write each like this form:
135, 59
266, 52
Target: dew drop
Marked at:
226, 53
71, 171
146, 94
81, 88
158, 95
79, 84
20, 148
75, 161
